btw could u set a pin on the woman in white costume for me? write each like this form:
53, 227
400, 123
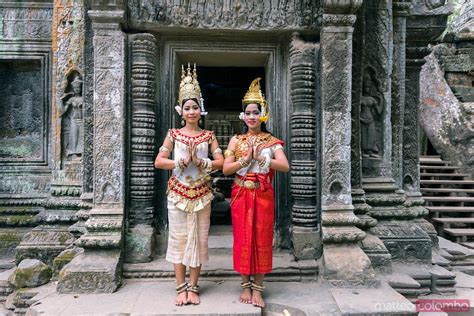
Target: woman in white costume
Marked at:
189, 188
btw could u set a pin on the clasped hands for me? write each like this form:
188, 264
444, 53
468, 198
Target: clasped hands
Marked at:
191, 156
254, 152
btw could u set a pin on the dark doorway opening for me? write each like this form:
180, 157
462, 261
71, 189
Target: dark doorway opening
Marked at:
223, 89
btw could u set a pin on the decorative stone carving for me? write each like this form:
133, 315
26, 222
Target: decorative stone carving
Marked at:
370, 110
26, 21
72, 117
98, 269
209, 14
376, 101
303, 181
140, 238
339, 233
400, 11
371, 244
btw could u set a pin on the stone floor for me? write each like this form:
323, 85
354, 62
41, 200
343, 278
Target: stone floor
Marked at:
221, 298
308, 295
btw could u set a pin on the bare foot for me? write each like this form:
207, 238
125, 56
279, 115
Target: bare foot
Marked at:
193, 298
181, 299
257, 299
246, 296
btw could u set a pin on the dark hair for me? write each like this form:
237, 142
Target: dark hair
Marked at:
263, 126
185, 100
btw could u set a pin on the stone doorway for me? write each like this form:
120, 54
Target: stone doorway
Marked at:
224, 73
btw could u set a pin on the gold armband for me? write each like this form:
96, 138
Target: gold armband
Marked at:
164, 149
229, 153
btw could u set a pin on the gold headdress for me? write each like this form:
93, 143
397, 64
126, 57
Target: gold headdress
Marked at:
189, 89
255, 95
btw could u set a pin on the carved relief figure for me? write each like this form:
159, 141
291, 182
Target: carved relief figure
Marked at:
371, 107
71, 113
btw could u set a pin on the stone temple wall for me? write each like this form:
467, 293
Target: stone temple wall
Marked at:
25, 143
87, 84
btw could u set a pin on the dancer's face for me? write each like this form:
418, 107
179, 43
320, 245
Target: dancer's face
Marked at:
191, 112
251, 116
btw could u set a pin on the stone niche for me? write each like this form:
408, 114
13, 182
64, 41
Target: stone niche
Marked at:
21, 110
24, 117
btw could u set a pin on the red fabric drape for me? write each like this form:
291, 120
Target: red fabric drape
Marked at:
252, 224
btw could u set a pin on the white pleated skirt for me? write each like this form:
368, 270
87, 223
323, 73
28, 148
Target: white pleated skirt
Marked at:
188, 236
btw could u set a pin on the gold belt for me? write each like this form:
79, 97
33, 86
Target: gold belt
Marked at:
251, 185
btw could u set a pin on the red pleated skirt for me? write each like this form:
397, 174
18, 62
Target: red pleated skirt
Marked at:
252, 224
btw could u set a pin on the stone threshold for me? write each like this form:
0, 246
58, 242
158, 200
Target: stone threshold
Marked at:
220, 267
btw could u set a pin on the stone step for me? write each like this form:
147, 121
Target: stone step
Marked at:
454, 220
448, 199
433, 161
450, 209
464, 182
468, 244
220, 267
439, 167
445, 190
459, 231
376, 301
450, 175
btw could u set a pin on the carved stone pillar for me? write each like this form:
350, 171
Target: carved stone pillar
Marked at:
343, 259
52, 235
303, 183
402, 237
139, 239
426, 21
400, 11
371, 244
98, 270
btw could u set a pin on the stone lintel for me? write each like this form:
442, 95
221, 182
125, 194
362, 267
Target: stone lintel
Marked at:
106, 17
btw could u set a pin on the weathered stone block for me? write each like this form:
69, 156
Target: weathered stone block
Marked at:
30, 273
139, 244
64, 258
306, 243
99, 272
346, 265
405, 240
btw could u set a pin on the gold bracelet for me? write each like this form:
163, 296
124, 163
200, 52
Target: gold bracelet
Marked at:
244, 163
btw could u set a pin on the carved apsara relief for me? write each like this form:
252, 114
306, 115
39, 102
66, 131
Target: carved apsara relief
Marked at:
371, 120
72, 116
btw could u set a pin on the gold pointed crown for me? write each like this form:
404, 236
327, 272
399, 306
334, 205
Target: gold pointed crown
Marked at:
189, 86
255, 95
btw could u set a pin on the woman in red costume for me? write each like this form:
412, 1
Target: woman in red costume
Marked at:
253, 156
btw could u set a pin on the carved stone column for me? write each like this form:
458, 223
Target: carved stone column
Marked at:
140, 237
98, 270
426, 21
400, 11
401, 237
52, 235
343, 259
303, 183
371, 244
